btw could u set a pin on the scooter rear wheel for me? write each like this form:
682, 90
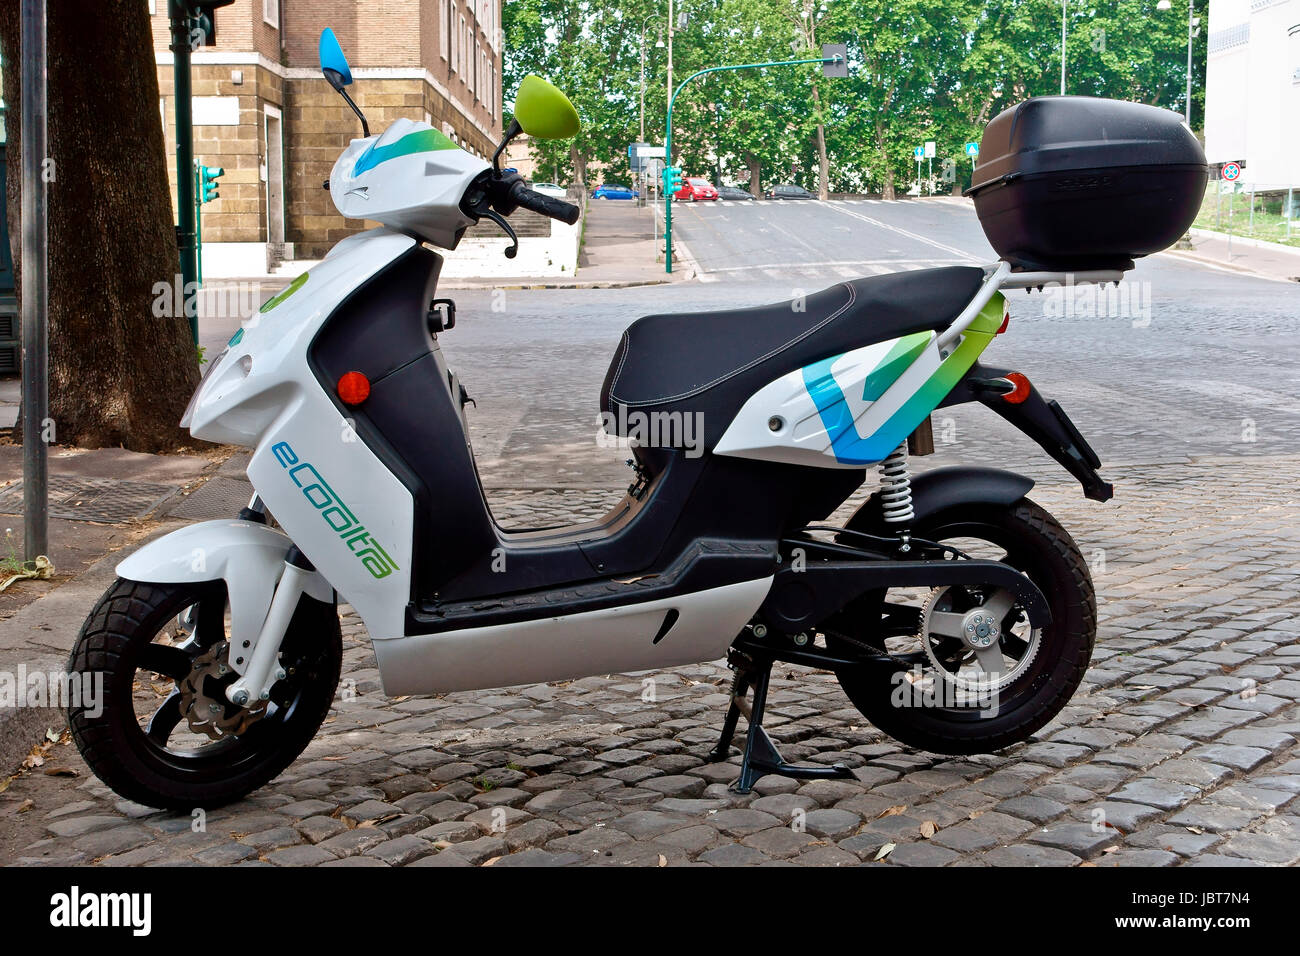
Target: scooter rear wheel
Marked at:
919, 703
156, 726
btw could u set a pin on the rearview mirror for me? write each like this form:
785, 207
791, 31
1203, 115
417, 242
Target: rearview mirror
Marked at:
334, 65
542, 111
332, 61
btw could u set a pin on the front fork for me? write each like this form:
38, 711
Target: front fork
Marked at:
264, 668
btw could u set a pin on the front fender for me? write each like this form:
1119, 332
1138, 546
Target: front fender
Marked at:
938, 490
247, 555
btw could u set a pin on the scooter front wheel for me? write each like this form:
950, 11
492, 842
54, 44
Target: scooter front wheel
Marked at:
976, 677
153, 722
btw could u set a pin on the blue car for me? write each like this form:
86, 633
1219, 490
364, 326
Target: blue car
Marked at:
608, 191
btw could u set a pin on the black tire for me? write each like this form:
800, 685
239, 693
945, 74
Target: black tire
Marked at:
118, 641
1039, 547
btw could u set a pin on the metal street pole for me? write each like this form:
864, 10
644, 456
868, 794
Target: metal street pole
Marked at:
181, 24
35, 284
1189, 64
668, 131
1064, 6
668, 157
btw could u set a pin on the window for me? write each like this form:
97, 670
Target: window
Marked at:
271, 12
454, 38
462, 36
471, 71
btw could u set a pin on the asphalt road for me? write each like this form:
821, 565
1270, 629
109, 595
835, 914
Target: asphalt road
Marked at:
1191, 361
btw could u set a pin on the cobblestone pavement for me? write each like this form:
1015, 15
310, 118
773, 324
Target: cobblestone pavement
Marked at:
1180, 748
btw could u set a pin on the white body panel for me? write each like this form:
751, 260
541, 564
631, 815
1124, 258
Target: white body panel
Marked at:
609, 641
248, 556
344, 509
411, 178
804, 438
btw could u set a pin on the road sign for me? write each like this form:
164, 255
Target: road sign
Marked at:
929, 150
972, 149
1231, 171
919, 153
839, 54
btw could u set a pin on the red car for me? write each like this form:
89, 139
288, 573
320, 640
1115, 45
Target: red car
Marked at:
695, 189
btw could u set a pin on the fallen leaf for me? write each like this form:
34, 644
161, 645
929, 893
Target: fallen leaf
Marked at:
61, 772
25, 805
1197, 830
51, 735
32, 760
891, 812
884, 851
975, 814
928, 829
663, 860
4, 784
1110, 849
1086, 863
491, 861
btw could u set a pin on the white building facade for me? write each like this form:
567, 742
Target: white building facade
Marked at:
1252, 96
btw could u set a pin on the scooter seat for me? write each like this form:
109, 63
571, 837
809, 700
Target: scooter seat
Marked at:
710, 363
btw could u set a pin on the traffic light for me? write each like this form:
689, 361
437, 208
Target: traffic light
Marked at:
672, 179
208, 182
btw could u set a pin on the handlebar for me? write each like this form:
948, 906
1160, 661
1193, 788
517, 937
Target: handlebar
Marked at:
565, 212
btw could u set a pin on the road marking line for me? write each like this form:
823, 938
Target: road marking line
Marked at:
908, 234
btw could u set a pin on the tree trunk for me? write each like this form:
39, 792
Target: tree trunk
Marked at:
755, 180
823, 164
119, 374
579, 160
888, 191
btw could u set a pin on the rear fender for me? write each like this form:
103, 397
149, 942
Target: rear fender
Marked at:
938, 490
246, 555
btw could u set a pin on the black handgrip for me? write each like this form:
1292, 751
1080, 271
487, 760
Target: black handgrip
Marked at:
545, 205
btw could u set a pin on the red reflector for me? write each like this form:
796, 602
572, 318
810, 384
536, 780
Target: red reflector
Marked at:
1021, 391
353, 388
1006, 320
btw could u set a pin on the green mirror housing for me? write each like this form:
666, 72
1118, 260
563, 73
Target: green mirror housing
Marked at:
543, 111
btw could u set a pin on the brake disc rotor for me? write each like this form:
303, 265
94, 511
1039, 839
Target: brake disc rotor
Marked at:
215, 717
973, 642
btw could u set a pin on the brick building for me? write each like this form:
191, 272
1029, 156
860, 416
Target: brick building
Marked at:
263, 112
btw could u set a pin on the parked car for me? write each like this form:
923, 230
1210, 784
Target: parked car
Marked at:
789, 191
734, 193
613, 191
695, 189
549, 189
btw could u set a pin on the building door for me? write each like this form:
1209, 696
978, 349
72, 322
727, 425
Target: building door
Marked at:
274, 183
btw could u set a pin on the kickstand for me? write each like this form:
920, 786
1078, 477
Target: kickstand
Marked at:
761, 756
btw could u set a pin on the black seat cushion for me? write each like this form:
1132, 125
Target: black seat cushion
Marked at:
712, 362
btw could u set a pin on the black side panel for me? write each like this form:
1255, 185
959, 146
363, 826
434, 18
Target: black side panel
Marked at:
411, 419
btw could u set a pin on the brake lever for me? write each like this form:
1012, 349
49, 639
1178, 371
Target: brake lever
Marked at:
500, 220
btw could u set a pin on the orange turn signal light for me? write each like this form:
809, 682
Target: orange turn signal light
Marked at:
1006, 320
353, 388
1021, 390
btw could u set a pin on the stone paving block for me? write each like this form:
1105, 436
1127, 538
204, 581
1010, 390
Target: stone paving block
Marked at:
1165, 794
1082, 839
922, 853
300, 856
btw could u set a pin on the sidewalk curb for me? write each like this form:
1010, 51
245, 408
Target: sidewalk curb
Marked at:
1246, 241
1222, 266
22, 727
515, 286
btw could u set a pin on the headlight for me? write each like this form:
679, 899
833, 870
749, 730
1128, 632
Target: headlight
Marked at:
194, 399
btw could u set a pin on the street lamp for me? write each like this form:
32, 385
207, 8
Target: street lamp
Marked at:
659, 45
1193, 29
